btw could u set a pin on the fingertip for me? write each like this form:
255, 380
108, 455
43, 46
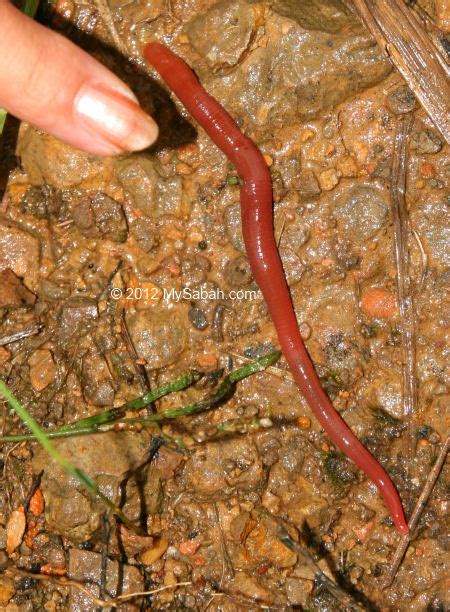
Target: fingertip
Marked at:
113, 118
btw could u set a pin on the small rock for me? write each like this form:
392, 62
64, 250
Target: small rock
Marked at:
308, 185
13, 292
238, 272
133, 543
7, 590
97, 383
69, 510
401, 100
76, 316
298, 591
249, 587
19, 251
86, 567
233, 226
198, 318
360, 211
158, 337
96, 213
156, 552
47, 160
138, 176
42, 369
263, 544
328, 179
237, 25
426, 141
143, 231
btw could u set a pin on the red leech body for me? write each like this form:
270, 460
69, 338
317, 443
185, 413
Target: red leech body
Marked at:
257, 227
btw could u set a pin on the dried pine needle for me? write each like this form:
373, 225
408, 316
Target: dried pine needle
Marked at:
402, 37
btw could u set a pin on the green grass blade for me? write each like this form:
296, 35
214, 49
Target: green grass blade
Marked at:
136, 404
30, 7
224, 389
70, 469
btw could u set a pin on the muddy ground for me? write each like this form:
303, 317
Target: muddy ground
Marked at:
308, 84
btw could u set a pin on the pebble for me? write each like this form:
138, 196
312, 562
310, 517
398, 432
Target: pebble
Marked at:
426, 141
42, 369
198, 318
401, 100
328, 179
156, 552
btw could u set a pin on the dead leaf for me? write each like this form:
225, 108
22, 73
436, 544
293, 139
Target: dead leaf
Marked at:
15, 529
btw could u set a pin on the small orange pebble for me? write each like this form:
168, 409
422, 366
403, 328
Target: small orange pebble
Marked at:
420, 184
364, 533
419, 552
423, 443
307, 135
325, 447
303, 422
37, 503
207, 360
327, 538
427, 170
49, 570
32, 530
188, 547
268, 159
379, 303
199, 560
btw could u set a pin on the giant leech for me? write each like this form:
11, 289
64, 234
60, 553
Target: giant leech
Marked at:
262, 252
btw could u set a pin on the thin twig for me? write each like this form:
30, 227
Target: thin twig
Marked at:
25, 333
415, 516
404, 289
227, 563
101, 603
423, 277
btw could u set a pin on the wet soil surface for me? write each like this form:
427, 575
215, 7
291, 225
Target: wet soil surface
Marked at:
308, 85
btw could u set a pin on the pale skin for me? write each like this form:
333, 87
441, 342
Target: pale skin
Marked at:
51, 83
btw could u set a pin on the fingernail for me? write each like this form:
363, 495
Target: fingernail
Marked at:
115, 118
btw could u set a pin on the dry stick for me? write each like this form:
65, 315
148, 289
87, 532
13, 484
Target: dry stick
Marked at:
415, 516
25, 333
101, 603
405, 42
404, 288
